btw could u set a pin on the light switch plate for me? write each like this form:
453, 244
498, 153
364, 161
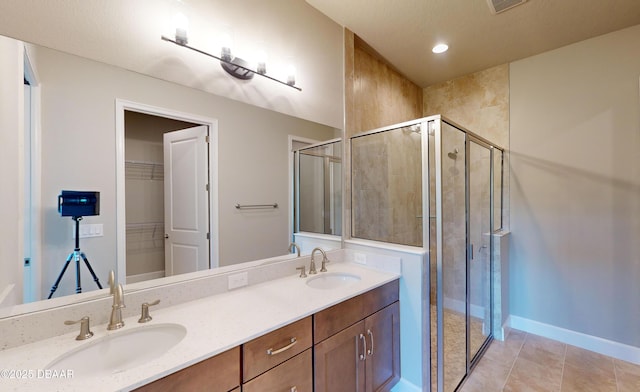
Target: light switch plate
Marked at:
238, 280
89, 230
360, 258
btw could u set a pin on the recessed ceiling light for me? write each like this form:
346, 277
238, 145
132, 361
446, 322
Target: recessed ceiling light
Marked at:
440, 48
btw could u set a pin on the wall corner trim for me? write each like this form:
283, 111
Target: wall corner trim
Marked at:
607, 347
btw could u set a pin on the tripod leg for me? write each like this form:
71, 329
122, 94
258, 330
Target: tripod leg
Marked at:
78, 286
55, 285
95, 278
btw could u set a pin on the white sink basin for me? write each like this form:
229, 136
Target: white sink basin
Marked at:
332, 280
120, 351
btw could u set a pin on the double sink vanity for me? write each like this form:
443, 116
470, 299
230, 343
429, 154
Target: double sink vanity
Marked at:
330, 331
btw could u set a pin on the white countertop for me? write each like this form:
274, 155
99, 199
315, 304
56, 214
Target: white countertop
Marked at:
214, 325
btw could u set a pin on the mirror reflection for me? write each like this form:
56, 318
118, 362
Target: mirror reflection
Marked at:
93, 126
319, 188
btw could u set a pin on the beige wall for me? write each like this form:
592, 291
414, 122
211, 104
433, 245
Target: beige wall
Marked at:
78, 123
11, 168
127, 34
575, 194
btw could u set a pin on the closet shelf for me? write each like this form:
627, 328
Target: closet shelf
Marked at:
142, 170
145, 236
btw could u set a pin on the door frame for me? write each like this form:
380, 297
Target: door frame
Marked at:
121, 241
32, 285
290, 140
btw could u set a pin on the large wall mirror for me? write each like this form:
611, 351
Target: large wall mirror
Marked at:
97, 127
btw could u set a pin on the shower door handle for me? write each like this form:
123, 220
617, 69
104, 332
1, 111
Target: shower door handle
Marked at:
471, 251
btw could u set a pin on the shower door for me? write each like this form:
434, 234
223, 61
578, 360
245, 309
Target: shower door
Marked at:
464, 221
479, 230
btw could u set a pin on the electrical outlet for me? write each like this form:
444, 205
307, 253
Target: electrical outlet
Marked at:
360, 258
238, 280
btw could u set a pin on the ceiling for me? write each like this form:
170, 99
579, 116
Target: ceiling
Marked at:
404, 31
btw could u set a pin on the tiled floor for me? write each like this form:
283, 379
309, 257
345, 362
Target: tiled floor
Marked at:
526, 362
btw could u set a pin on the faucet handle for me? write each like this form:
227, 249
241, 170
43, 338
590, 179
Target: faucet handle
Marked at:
324, 261
85, 332
303, 274
144, 316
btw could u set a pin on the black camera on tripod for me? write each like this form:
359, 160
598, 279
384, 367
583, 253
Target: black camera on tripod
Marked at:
79, 203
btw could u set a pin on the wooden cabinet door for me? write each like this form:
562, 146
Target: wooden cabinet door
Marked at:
382, 330
338, 363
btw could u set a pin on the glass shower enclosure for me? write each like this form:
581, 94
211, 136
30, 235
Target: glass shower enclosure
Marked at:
433, 184
318, 188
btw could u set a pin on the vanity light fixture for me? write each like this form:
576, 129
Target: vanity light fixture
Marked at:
234, 66
181, 24
440, 48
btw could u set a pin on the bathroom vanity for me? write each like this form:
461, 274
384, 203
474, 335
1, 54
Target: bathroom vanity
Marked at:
356, 345
281, 334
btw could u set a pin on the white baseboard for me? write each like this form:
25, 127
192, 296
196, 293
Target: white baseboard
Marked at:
145, 276
610, 348
461, 307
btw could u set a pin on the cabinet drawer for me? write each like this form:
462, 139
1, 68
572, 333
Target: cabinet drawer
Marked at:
265, 352
338, 317
296, 374
217, 374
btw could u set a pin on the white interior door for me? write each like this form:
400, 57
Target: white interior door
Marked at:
186, 201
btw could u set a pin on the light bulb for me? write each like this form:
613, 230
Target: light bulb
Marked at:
440, 48
181, 24
291, 75
261, 60
226, 42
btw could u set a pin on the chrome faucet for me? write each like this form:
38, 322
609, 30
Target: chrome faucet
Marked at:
115, 321
294, 245
312, 267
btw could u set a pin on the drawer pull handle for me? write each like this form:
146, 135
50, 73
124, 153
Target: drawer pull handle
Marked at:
285, 348
364, 349
370, 351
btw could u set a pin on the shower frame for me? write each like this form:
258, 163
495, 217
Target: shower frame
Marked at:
433, 125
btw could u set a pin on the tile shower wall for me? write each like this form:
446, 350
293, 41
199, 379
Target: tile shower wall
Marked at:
479, 102
387, 196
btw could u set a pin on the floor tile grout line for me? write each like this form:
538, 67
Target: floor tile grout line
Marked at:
615, 374
564, 361
506, 380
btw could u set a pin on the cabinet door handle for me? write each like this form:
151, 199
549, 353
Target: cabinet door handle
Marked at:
271, 351
370, 351
294, 389
364, 347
